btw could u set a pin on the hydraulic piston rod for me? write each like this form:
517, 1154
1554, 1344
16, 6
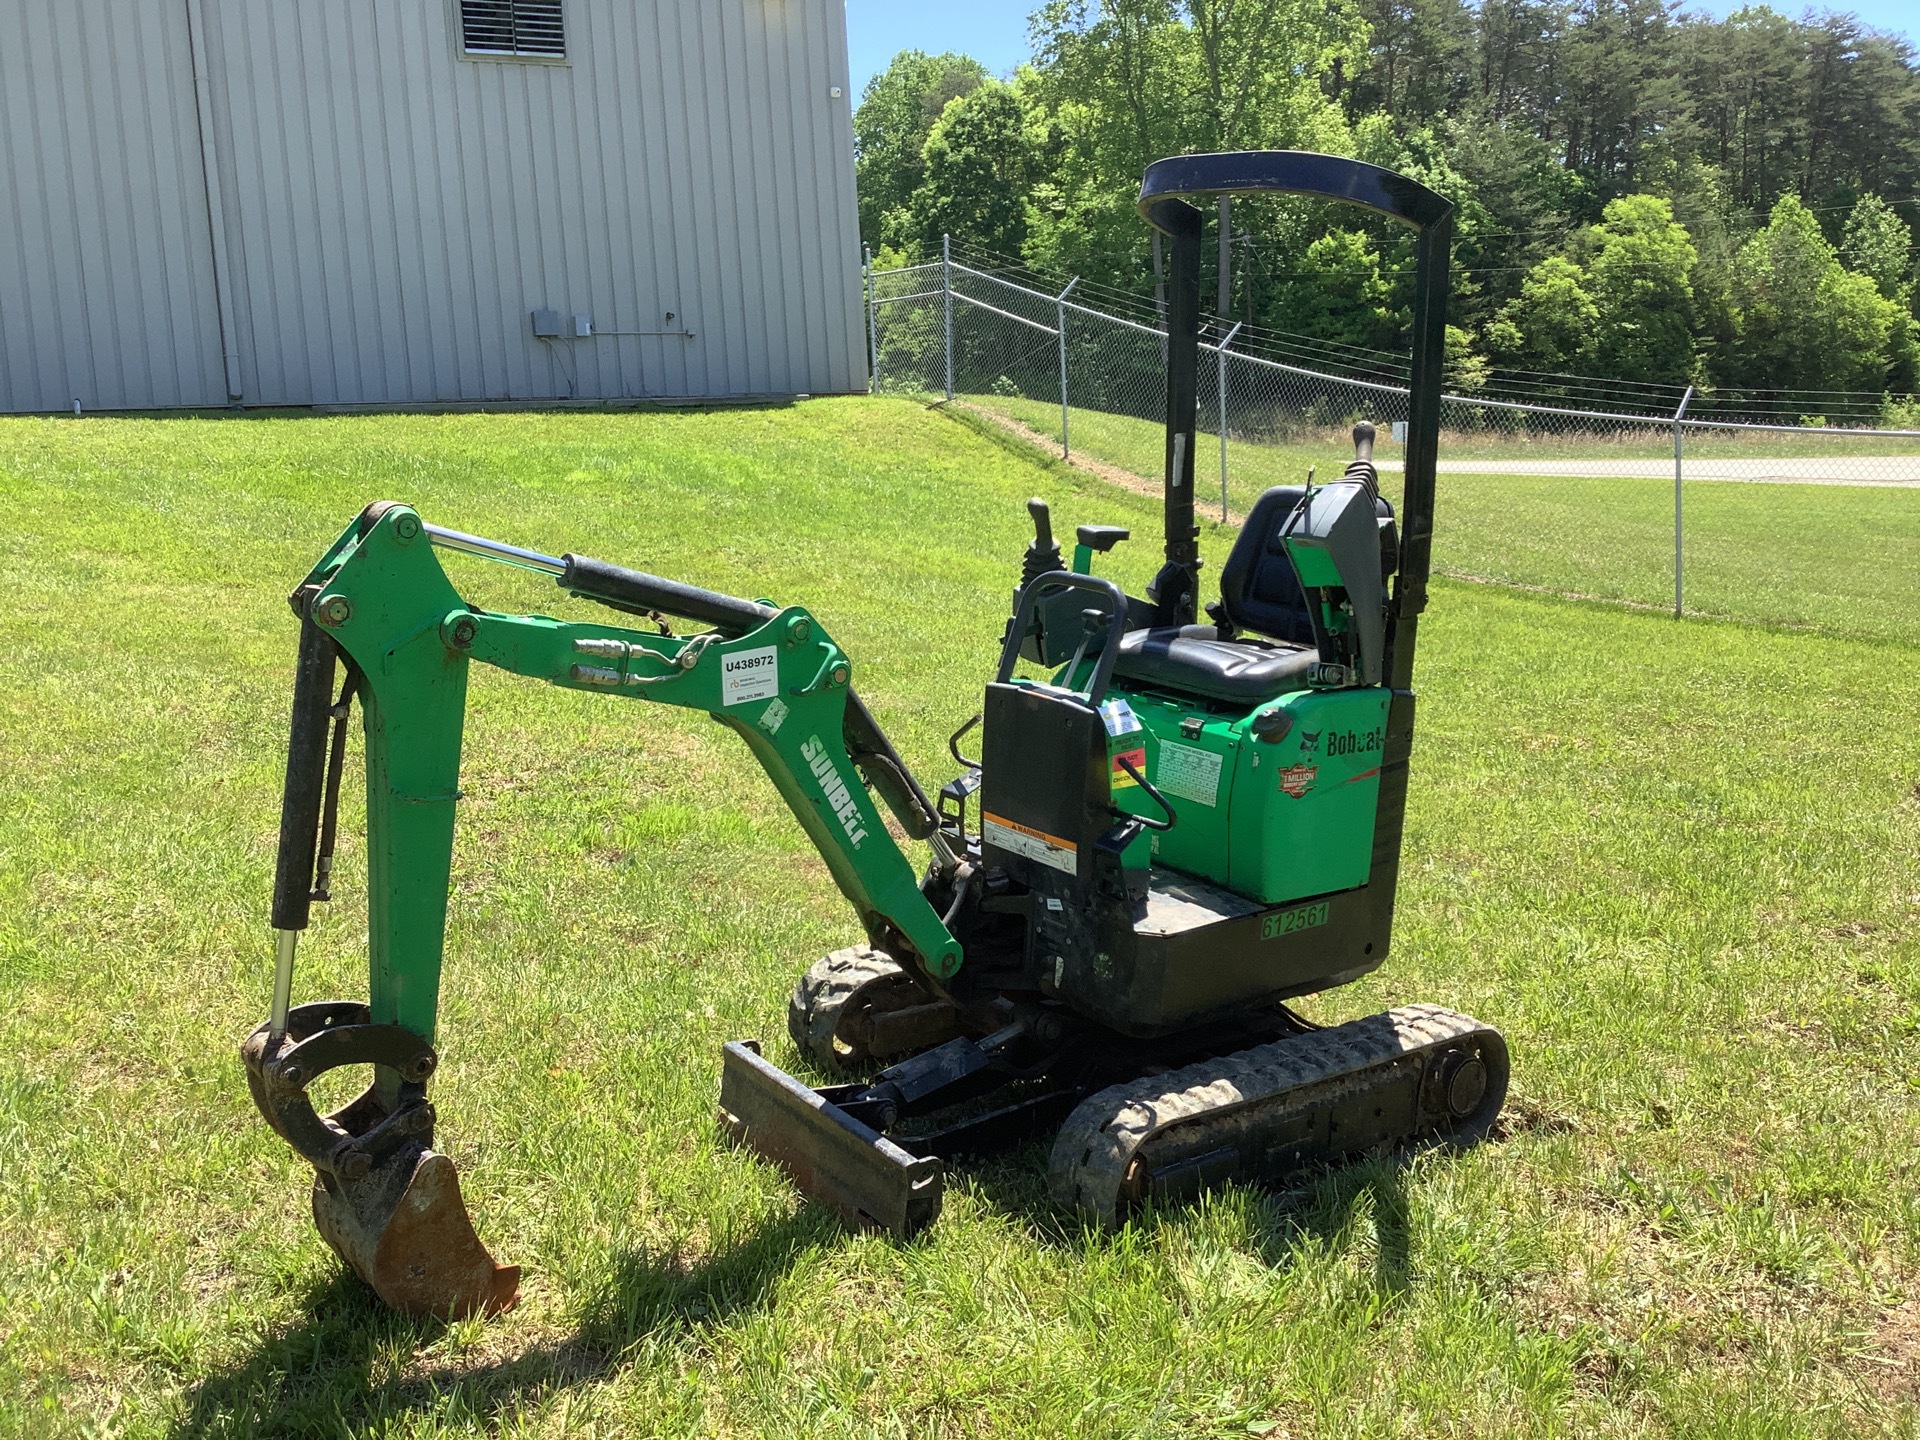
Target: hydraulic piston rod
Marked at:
494, 550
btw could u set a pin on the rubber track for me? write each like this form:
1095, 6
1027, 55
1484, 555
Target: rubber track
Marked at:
1103, 1136
820, 998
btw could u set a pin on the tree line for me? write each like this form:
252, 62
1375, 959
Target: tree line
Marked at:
1653, 197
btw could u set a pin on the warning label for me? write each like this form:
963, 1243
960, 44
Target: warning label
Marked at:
749, 675
1020, 839
1189, 772
1137, 759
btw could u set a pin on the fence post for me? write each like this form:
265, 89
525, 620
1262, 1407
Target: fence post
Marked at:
1678, 528
1060, 313
946, 282
873, 329
1220, 415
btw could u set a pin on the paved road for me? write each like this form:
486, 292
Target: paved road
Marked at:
1894, 471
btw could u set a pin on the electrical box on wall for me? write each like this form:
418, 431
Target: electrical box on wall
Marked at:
582, 326
546, 324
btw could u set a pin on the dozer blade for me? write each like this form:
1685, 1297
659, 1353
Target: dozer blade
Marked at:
405, 1231
830, 1156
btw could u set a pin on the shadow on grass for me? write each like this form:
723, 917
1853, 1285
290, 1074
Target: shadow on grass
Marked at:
1319, 1212
350, 1363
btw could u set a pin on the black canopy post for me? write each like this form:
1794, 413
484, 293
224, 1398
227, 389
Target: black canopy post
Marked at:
1328, 177
1175, 589
1431, 281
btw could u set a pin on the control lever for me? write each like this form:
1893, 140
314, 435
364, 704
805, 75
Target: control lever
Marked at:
1043, 555
1092, 621
1362, 467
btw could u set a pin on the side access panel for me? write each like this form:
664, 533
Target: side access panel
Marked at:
1303, 810
1201, 953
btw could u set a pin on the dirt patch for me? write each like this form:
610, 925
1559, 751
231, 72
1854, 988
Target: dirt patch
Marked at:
1530, 1117
1112, 474
1892, 1366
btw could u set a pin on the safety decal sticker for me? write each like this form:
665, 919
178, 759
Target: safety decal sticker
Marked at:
1189, 772
1297, 780
749, 675
1012, 836
774, 716
1135, 758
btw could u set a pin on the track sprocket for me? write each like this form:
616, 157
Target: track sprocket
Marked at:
857, 1005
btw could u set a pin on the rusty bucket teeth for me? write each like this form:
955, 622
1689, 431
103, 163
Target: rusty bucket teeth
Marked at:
405, 1230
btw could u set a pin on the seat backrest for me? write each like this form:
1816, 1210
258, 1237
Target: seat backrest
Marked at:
1259, 588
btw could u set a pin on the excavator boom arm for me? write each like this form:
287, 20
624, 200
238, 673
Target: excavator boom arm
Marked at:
380, 602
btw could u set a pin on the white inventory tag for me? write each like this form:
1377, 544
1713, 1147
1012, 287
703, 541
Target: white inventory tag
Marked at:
749, 675
1189, 772
1117, 715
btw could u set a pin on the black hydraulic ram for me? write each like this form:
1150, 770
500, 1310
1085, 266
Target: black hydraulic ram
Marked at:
635, 592
302, 799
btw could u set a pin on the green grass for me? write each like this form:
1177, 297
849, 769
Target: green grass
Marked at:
1673, 862
1816, 556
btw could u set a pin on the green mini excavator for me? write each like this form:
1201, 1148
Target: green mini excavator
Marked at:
1169, 829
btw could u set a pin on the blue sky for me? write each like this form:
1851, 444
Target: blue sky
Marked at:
994, 32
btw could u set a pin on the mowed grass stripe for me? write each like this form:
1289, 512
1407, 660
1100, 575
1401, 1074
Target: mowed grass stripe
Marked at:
1673, 862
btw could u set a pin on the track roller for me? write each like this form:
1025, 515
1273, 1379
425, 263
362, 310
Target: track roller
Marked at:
1412, 1073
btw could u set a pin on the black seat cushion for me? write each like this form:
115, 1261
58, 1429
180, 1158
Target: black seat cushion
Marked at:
1194, 660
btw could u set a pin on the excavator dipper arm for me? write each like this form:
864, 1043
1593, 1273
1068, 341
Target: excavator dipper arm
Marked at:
381, 607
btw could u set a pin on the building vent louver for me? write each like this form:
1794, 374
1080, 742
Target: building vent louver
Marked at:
512, 27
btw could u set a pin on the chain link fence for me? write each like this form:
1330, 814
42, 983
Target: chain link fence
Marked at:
1802, 526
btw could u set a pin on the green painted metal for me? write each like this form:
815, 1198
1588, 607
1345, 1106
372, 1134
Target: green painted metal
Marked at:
1273, 822
1303, 810
1313, 565
782, 688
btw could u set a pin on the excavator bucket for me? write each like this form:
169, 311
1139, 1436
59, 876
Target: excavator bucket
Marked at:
405, 1231
386, 1201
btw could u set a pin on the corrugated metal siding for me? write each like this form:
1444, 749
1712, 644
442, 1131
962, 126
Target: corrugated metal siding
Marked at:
106, 272
394, 211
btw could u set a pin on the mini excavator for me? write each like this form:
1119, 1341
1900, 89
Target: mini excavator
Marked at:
1177, 830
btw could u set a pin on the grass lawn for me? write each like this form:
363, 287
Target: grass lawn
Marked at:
1675, 863
1842, 559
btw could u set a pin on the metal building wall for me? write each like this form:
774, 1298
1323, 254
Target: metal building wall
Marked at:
106, 275
393, 211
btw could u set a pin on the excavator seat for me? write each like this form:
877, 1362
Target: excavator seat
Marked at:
1259, 592
1194, 660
